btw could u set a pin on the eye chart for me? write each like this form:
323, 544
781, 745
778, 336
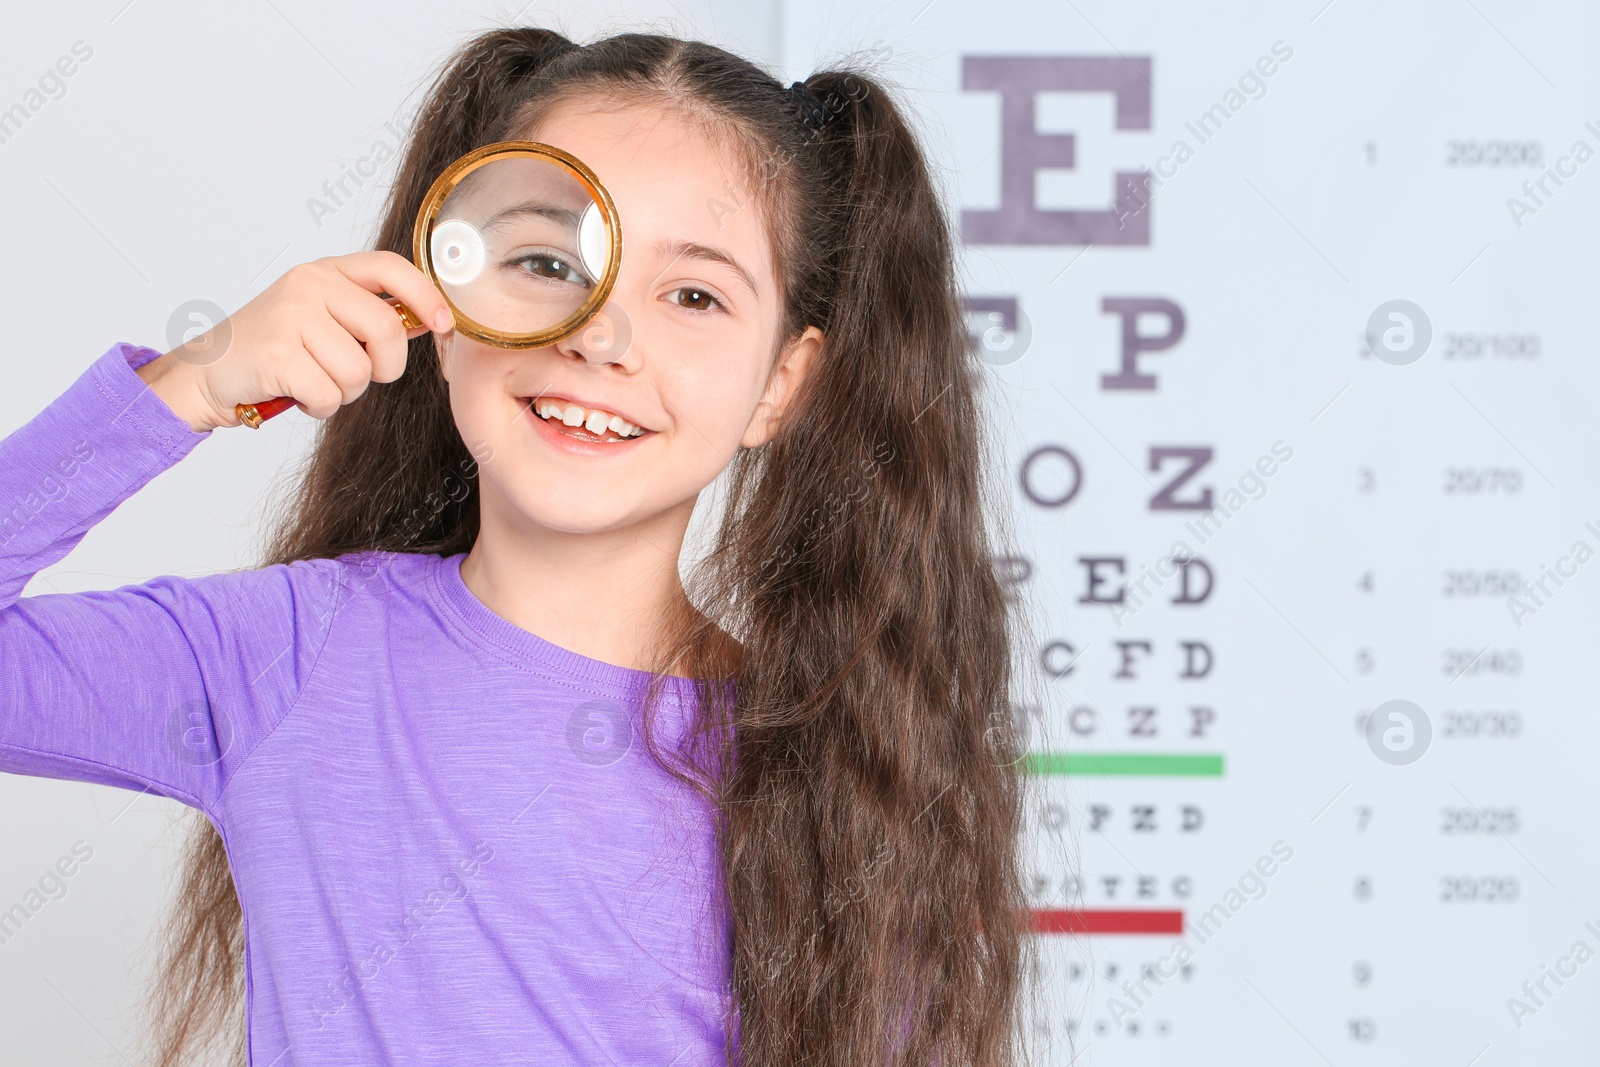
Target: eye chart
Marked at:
1286, 313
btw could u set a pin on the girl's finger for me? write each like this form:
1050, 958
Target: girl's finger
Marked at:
372, 322
386, 272
313, 391
342, 362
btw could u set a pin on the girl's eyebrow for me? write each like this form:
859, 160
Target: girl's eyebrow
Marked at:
537, 209
694, 250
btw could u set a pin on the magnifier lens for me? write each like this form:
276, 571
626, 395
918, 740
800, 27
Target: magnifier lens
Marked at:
519, 244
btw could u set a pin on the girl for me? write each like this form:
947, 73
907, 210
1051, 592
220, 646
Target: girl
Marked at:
484, 780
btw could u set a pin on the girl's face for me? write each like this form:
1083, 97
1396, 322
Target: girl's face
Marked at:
697, 296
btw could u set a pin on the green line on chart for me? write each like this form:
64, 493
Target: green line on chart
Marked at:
1203, 765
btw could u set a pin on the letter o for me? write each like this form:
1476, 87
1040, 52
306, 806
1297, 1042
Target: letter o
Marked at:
1075, 482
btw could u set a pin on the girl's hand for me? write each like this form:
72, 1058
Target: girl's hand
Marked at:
319, 334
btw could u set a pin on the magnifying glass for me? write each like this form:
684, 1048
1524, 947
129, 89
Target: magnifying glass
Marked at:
522, 240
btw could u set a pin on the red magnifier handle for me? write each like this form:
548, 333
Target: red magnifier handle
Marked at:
253, 415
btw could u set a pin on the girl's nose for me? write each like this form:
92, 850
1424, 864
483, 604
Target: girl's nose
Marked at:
606, 338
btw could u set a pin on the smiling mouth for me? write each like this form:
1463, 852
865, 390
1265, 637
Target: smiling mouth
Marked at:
584, 424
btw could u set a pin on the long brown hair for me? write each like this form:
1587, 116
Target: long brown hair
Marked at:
869, 814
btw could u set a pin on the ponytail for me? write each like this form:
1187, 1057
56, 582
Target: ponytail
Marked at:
873, 722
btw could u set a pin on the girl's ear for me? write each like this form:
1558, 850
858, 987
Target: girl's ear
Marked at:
782, 385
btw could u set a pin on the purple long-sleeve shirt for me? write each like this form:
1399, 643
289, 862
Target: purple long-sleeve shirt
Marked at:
448, 840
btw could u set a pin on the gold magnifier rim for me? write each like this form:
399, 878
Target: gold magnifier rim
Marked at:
478, 157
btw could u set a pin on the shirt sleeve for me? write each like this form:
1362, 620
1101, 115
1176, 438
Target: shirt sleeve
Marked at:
164, 686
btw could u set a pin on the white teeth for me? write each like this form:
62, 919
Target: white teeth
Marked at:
594, 420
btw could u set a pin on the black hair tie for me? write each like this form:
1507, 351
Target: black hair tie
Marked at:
812, 113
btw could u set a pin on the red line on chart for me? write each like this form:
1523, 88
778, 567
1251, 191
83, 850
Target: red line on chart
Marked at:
1106, 921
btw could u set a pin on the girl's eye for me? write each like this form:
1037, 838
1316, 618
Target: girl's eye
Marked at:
700, 296
552, 266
